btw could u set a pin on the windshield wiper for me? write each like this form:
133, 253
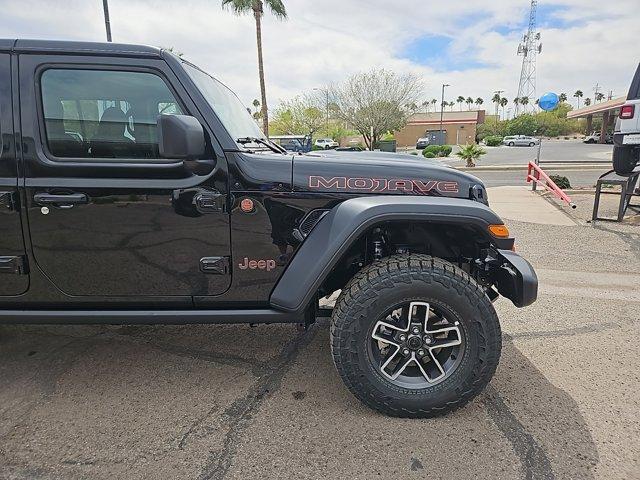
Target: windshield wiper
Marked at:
267, 143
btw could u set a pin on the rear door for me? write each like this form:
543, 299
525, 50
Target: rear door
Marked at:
13, 273
108, 217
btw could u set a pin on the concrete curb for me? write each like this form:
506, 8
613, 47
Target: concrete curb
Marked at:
506, 168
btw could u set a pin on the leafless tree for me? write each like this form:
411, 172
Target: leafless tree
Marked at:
375, 102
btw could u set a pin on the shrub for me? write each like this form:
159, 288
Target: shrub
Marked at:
493, 140
561, 181
445, 150
413, 153
315, 148
435, 149
429, 154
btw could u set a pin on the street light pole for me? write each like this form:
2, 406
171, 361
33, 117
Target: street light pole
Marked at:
442, 111
326, 122
107, 23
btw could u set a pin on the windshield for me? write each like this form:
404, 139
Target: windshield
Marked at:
228, 107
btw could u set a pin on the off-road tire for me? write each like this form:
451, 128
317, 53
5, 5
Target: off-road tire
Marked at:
402, 278
625, 160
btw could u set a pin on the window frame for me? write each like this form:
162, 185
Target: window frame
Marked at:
44, 141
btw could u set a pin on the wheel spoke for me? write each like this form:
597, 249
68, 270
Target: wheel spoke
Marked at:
446, 341
438, 365
399, 368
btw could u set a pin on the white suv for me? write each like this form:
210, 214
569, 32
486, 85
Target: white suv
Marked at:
626, 137
326, 143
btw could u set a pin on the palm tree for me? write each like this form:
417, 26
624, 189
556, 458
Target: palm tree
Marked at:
460, 101
496, 99
470, 153
587, 102
516, 101
562, 97
469, 102
524, 101
479, 101
433, 102
503, 103
452, 104
599, 96
578, 94
426, 104
242, 7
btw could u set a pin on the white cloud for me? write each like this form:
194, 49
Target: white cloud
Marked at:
325, 41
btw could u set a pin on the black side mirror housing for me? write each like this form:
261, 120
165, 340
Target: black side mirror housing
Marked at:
180, 137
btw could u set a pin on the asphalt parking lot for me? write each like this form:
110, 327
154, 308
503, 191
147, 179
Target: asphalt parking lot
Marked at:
213, 402
567, 151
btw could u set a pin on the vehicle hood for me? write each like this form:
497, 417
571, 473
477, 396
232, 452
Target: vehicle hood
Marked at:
380, 173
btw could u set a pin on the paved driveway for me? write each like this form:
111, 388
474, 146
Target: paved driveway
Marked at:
240, 402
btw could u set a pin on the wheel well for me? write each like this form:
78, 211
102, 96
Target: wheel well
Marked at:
457, 243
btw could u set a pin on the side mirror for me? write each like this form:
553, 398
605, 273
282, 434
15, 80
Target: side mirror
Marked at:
180, 137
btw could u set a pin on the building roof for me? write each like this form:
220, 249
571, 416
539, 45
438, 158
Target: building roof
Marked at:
83, 48
600, 107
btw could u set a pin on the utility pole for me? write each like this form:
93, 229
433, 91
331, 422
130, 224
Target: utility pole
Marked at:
444, 140
596, 90
529, 48
326, 91
107, 23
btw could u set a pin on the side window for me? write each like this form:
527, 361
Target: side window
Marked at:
104, 113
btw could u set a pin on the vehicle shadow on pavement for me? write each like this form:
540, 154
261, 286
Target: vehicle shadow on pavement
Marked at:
222, 401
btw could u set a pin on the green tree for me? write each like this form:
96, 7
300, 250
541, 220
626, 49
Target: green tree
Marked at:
516, 101
469, 102
299, 116
433, 102
587, 102
460, 101
524, 101
479, 101
578, 95
562, 97
374, 102
503, 103
425, 105
256, 7
599, 96
471, 153
257, 114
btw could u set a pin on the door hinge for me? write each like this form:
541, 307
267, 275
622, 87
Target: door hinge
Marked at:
209, 202
215, 265
16, 265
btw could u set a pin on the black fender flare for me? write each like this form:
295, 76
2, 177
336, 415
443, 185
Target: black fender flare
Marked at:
346, 222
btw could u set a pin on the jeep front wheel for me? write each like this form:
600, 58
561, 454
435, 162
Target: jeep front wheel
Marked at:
414, 336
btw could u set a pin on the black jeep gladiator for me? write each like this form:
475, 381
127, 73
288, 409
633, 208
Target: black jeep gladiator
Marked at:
135, 188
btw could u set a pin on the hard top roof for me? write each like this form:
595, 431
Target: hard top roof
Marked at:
82, 48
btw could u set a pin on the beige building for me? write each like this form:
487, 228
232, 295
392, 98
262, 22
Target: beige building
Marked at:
460, 127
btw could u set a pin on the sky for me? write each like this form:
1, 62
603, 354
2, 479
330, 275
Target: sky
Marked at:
469, 44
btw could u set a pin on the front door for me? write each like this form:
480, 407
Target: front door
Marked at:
14, 279
108, 217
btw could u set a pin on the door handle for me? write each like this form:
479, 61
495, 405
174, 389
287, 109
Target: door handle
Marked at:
62, 200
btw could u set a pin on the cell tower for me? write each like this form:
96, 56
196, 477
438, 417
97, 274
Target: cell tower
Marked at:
529, 48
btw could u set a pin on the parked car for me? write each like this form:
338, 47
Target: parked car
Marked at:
520, 141
422, 143
626, 136
326, 143
595, 138
194, 216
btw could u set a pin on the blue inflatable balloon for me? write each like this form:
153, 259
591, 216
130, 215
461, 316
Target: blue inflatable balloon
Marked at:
548, 101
